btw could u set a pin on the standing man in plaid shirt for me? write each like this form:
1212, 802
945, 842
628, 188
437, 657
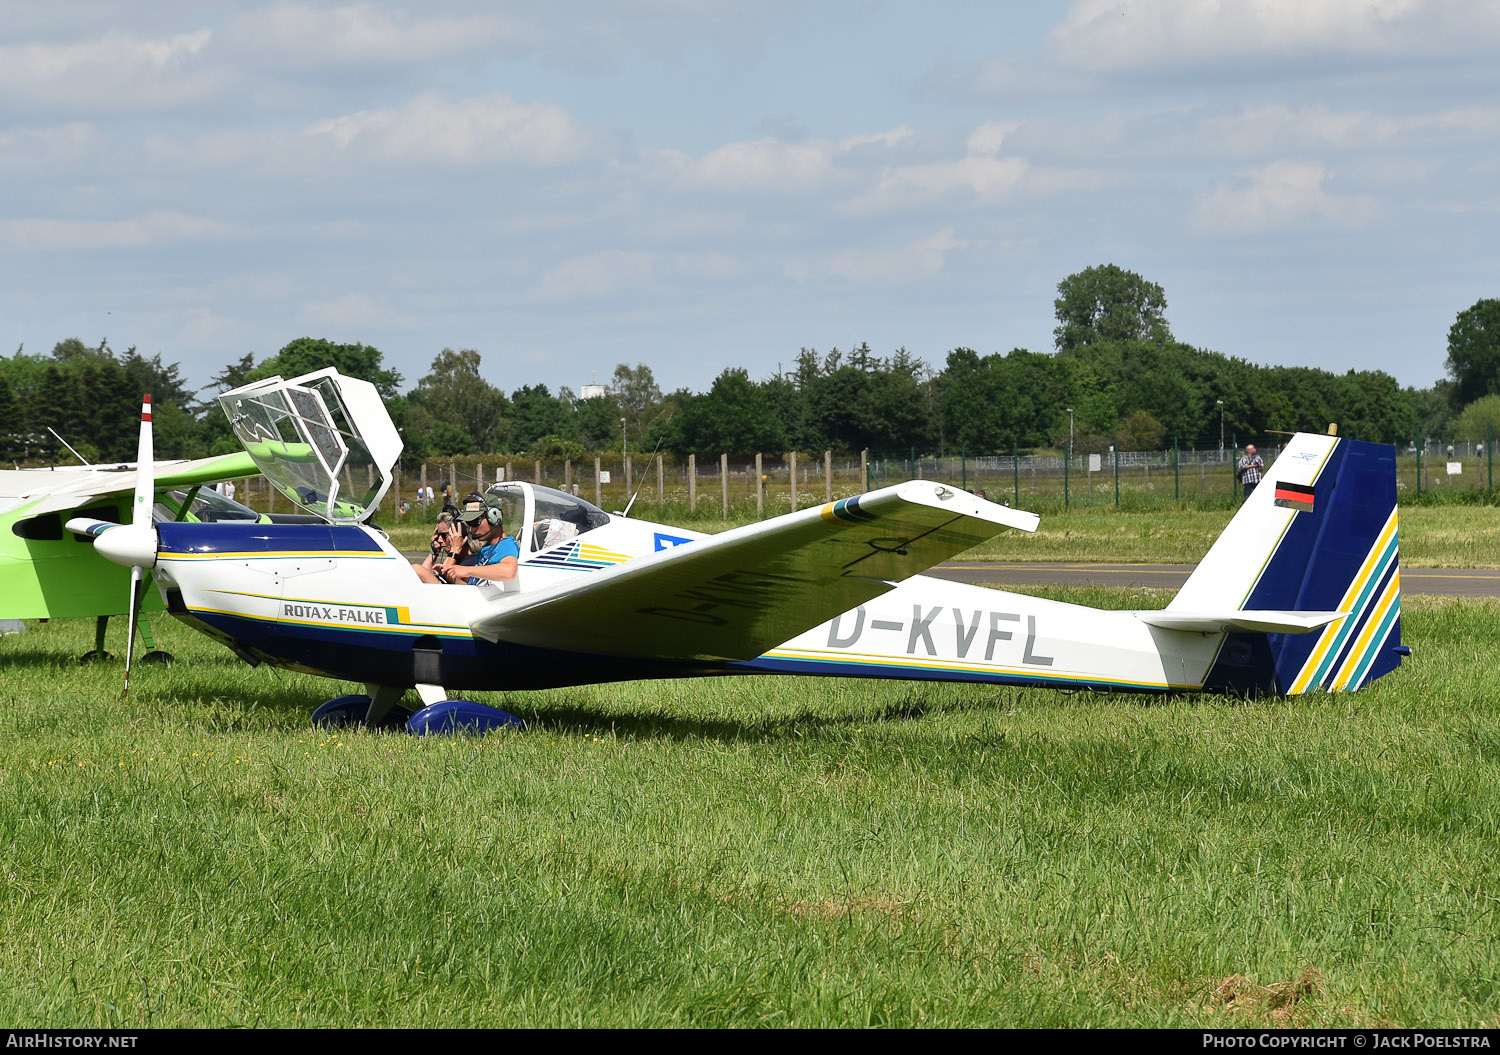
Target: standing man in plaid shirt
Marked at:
1250, 468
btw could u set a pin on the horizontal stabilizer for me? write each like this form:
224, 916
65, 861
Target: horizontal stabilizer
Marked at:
1257, 622
734, 595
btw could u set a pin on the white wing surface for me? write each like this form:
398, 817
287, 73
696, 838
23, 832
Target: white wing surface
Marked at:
70, 488
735, 595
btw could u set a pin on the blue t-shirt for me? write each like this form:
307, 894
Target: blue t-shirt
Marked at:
494, 553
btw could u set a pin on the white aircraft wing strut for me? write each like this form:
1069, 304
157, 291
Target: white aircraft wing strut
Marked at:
735, 595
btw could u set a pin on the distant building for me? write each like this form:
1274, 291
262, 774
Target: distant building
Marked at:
593, 391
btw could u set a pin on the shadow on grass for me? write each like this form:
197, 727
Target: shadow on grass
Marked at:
565, 717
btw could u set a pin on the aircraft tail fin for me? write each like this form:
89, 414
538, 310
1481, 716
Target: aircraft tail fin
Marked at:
1317, 536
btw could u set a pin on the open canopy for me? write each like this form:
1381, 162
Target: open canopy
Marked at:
322, 439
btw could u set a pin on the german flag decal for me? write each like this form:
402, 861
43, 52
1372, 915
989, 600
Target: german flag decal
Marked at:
1295, 496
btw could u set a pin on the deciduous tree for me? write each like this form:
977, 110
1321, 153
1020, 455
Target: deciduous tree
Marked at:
1108, 303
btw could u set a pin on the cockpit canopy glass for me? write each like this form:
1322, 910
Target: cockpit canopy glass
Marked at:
208, 507
304, 441
555, 517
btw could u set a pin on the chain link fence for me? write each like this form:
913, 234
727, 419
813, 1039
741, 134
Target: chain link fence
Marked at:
741, 487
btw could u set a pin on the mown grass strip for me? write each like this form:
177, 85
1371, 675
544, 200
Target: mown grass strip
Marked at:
751, 851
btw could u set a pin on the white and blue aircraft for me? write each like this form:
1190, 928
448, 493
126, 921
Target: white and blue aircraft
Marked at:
1301, 593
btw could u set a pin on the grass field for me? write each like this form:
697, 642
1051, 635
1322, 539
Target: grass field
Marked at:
1451, 536
751, 851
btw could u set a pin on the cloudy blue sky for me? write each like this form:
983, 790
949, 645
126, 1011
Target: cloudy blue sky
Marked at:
694, 184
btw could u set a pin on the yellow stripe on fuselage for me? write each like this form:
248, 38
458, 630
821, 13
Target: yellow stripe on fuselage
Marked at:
265, 555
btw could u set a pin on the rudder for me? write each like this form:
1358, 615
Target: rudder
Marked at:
1319, 534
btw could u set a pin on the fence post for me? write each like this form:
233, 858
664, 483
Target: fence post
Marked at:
1117, 472
661, 483
422, 494
538, 471
629, 488
1015, 465
793, 458
963, 462
724, 481
1489, 453
692, 483
864, 469
828, 476
1234, 477
760, 490
1176, 473
598, 487
568, 475
1421, 442
1068, 457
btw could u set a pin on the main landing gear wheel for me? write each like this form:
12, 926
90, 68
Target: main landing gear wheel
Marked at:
345, 712
461, 716
95, 655
157, 657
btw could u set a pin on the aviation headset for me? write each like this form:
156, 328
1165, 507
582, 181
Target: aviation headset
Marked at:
474, 502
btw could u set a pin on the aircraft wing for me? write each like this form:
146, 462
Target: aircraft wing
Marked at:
737, 594
61, 490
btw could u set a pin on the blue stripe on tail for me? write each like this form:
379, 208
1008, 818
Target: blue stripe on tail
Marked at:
1323, 552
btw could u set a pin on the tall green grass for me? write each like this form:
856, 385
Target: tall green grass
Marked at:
750, 851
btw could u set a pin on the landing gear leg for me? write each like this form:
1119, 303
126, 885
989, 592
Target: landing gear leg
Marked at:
383, 705
100, 623
149, 639
378, 710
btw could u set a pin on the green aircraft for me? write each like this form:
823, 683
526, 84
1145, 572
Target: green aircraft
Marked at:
47, 572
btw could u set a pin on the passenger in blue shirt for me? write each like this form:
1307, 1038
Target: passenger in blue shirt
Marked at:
497, 555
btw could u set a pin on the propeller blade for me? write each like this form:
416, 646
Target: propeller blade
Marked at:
145, 471
140, 525
135, 613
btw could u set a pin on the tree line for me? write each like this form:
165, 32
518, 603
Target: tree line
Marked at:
1115, 375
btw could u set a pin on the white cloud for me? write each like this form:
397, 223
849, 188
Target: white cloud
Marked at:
1153, 39
595, 275
987, 139
301, 34
112, 72
983, 179
48, 151
1279, 196
431, 128
779, 166
352, 311
156, 228
763, 165
707, 266
921, 259
886, 139
1114, 35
